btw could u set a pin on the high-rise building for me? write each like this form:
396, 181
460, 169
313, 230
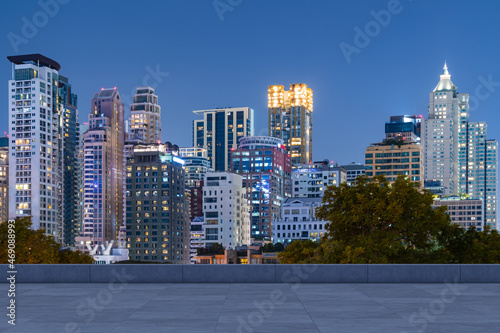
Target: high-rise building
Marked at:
458, 154
72, 163
145, 117
197, 232
103, 169
157, 216
196, 165
447, 109
36, 143
406, 128
4, 179
393, 160
311, 180
354, 170
478, 165
290, 119
265, 167
225, 208
219, 131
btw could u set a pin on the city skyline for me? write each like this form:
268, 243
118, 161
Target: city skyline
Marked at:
323, 67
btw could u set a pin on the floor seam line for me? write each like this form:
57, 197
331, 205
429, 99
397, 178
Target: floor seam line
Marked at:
314, 323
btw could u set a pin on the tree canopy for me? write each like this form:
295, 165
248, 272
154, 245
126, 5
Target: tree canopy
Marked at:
35, 247
378, 222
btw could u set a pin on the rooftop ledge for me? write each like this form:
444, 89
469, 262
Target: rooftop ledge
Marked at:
348, 273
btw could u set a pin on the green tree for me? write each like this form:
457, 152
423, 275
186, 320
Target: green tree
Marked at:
35, 247
301, 252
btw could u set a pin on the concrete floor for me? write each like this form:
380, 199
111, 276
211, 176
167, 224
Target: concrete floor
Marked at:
185, 308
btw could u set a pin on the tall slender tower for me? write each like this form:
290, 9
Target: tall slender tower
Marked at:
72, 179
290, 119
219, 131
457, 151
103, 170
36, 143
447, 110
145, 117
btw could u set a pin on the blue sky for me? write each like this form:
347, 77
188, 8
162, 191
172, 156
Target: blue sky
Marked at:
228, 58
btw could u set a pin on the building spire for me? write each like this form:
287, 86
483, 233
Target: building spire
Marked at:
445, 69
445, 83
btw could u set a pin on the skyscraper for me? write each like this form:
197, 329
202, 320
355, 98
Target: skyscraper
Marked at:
447, 108
103, 170
145, 117
219, 131
458, 154
36, 143
72, 178
157, 217
290, 119
265, 167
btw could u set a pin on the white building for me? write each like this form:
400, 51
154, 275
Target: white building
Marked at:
145, 117
219, 131
447, 108
464, 212
225, 210
298, 221
311, 180
36, 143
457, 151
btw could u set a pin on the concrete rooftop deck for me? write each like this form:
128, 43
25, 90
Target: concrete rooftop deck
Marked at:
185, 308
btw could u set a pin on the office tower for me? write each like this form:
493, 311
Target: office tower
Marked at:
478, 168
36, 143
311, 180
290, 119
298, 221
447, 109
225, 208
4, 179
196, 165
458, 155
145, 117
72, 178
265, 167
465, 212
103, 169
407, 128
393, 160
219, 131
353, 170
157, 217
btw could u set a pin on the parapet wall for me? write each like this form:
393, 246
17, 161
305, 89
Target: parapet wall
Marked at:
159, 273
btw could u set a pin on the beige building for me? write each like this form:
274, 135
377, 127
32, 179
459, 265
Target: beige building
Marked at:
290, 119
393, 160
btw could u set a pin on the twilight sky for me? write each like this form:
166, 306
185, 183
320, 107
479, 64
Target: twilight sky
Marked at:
228, 57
